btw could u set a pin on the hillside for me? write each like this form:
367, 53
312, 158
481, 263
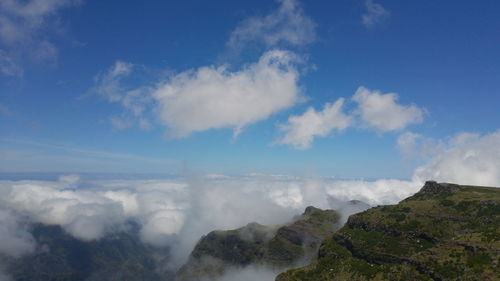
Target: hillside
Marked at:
276, 247
119, 256
443, 232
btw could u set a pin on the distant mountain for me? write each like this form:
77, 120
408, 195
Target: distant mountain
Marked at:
443, 232
255, 244
120, 256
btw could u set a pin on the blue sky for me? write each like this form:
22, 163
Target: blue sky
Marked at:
118, 86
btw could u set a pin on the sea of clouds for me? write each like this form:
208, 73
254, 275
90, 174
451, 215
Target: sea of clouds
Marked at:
177, 212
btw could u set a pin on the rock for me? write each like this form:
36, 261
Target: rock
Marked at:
272, 246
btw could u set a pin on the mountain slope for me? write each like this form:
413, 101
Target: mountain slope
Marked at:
443, 232
276, 247
117, 256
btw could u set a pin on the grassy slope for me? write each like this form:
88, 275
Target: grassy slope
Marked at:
444, 232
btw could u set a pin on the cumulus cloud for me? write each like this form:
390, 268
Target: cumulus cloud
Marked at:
23, 32
374, 110
382, 112
287, 25
300, 130
214, 97
375, 13
466, 159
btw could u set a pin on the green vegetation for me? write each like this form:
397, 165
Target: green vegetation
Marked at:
277, 247
443, 232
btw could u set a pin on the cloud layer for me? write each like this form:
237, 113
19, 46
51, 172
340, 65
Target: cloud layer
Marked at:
90, 209
178, 212
171, 212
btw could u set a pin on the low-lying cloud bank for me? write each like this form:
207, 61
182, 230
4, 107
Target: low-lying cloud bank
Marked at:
178, 212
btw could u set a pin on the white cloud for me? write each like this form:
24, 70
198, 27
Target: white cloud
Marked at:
382, 112
383, 191
176, 212
375, 13
110, 85
15, 240
374, 110
89, 214
302, 129
466, 159
113, 86
286, 25
23, 32
214, 97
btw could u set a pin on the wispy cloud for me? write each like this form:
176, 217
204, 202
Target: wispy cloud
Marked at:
32, 156
24, 32
286, 25
112, 85
375, 14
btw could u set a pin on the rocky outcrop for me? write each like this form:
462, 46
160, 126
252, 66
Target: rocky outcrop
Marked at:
275, 247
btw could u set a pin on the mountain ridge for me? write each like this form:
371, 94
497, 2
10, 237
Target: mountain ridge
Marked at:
273, 246
443, 232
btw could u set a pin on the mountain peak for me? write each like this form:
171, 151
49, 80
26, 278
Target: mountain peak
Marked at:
435, 187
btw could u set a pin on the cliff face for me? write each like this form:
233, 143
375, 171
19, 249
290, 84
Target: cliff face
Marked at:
443, 232
276, 247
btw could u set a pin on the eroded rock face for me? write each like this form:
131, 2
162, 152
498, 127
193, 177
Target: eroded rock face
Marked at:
272, 246
443, 232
